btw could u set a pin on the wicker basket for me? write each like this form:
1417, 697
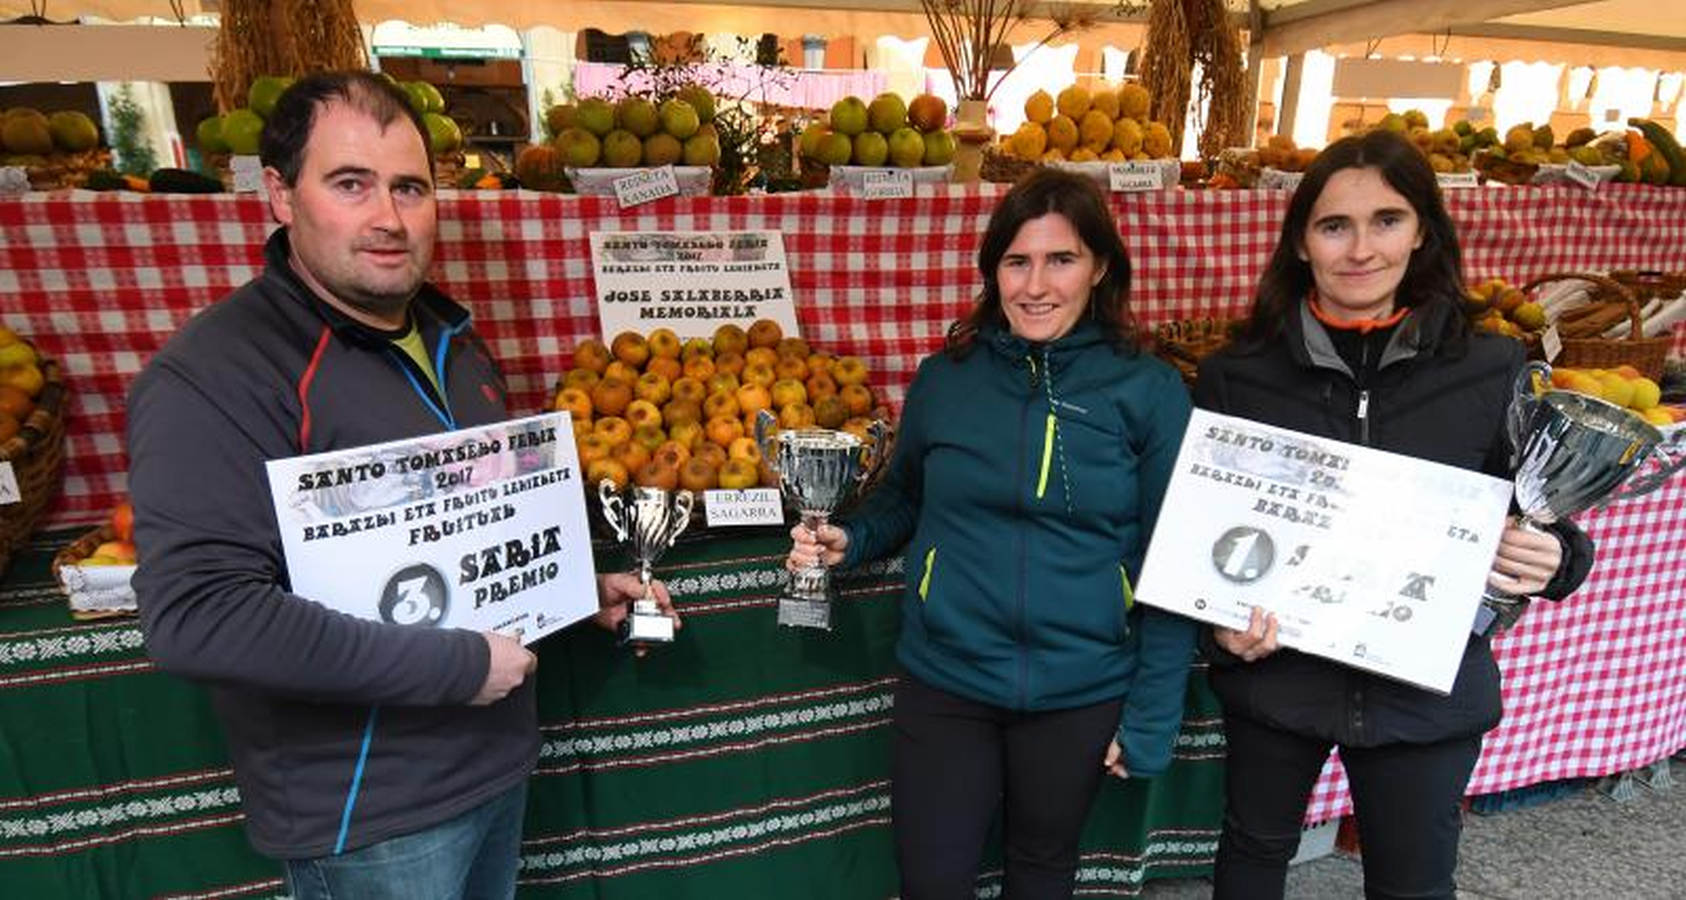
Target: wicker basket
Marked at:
36, 455
1636, 350
1185, 342
94, 592
1002, 168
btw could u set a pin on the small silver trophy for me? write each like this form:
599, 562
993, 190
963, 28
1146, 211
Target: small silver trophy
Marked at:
647, 520
1573, 452
819, 470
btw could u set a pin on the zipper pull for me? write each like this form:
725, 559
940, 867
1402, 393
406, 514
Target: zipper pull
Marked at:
1035, 378
1364, 417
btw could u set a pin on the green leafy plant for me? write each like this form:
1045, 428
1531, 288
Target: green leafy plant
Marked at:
128, 124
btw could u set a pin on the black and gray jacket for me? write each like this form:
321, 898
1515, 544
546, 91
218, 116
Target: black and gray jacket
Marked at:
343, 732
1389, 389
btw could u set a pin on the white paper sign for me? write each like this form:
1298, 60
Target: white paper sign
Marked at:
1135, 177
751, 506
482, 528
646, 185
248, 173
1458, 180
1582, 176
886, 184
690, 281
1372, 559
1551, 343
9, 492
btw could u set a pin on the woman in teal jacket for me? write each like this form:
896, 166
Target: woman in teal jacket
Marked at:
1031, 460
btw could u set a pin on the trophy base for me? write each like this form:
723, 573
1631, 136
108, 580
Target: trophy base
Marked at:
646, 629
799, 613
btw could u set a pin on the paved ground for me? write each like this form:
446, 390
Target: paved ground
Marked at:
1581, 846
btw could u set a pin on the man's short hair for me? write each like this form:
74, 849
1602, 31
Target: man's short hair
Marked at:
288, 128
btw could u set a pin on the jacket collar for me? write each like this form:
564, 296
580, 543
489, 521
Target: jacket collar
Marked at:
1310, 344
1059, 351
431, 307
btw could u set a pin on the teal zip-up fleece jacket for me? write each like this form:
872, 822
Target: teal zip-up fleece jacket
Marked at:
1024, 482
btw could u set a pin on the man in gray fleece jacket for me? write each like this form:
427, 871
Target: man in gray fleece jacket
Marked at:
376, 760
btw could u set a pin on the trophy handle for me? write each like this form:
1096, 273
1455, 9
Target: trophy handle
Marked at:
765, 422
1532, 380
612, 508
1666, 459
683, 500
877, 454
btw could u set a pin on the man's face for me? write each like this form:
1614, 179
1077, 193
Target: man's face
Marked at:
362, 218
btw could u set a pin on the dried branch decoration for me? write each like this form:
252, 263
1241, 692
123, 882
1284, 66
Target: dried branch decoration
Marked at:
283, 37
969, 33
1181, 34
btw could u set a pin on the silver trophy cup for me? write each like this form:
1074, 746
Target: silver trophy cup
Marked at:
1574, 452
647, 521
819, 470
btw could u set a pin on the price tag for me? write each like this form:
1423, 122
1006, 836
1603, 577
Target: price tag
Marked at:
1552, 343
753, 506
886, 184
1135, 176
248, 174
647, 185
1583, 176
13, 180
9, 492
1458, 180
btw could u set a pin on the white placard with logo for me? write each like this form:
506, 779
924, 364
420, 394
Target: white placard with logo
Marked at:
482, 528
1372, 559
690, 281
749, 506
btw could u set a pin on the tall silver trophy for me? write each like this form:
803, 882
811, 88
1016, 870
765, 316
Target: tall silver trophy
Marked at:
647, 521
1573, 452
819, 470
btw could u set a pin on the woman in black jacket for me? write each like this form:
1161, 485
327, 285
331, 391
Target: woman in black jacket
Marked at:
1357, 334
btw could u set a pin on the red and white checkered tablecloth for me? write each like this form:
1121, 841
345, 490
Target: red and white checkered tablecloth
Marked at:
1594, 685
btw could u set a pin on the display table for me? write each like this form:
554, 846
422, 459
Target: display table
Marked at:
743, 761
1594, 685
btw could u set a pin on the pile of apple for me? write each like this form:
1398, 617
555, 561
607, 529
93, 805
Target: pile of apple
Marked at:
656, 411
888, 131
1623, 386
120, 550
1083, 125
20, 382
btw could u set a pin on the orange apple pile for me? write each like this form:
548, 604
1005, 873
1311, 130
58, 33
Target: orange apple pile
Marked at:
120, 550
1623, 386
656, 411
20, 382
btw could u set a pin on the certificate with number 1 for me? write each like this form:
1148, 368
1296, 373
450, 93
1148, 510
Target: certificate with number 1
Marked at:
1373, 559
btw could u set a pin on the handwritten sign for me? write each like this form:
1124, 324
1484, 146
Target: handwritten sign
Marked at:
1372, 559
646, 185
1551, 343
1583, 176
1135, 177
1458, 180
753, 506
886, 184
690, 281
9, 491
482, 528
248, 173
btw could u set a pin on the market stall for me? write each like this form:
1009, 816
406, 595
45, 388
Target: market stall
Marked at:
1593, 686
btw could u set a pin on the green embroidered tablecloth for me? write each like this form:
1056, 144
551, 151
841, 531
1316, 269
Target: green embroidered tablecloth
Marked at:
744, 761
